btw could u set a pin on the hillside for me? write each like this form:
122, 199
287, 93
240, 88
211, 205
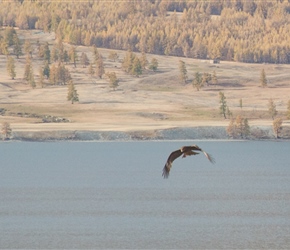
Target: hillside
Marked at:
153, 101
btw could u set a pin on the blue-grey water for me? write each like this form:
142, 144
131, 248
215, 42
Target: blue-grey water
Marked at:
112, 195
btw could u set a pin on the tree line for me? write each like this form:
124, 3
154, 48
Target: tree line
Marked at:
253, 31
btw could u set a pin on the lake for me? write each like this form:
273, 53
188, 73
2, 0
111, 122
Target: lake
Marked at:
104, 195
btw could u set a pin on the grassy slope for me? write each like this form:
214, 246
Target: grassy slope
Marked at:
154, 100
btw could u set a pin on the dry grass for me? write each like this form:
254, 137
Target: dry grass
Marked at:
154, 100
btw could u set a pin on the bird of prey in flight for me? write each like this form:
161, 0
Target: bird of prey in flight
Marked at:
184, 151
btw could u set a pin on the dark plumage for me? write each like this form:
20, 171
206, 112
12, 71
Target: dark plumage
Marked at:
184, 151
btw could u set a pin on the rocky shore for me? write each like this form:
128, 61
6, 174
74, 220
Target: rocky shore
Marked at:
186, 133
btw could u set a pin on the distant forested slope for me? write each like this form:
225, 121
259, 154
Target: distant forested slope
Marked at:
239, 30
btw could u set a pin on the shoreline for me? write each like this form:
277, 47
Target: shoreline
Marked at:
175, 133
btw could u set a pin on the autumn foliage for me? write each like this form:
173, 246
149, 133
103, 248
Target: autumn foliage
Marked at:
242, 30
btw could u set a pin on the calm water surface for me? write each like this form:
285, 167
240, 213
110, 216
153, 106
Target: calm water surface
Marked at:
112, 195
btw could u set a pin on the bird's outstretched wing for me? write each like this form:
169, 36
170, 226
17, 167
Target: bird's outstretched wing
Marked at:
193, 147
207, 155
168, 164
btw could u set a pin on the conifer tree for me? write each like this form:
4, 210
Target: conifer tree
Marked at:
73, 55
54, 54
206, 78
11, 67
28, 72
38, 46
96, 53
143, 61
4, 47
46, 70
9, 35
53, 74
40, 50
153, 64
60, 50
113, 80
272, 109
84, 60
246, 128
229, 113
263, 79
6, 131
277, 126
182, 71
223, 104
65, 56
113, 56
87, 40
72, 94
197, 81
239, 126
214, 80
31, 80
27, 68
136, 67
28, 48
41, 77
91, 70
231, 129
100, 70
63, 74
46, 52
55, 20
128, 61
17, 46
